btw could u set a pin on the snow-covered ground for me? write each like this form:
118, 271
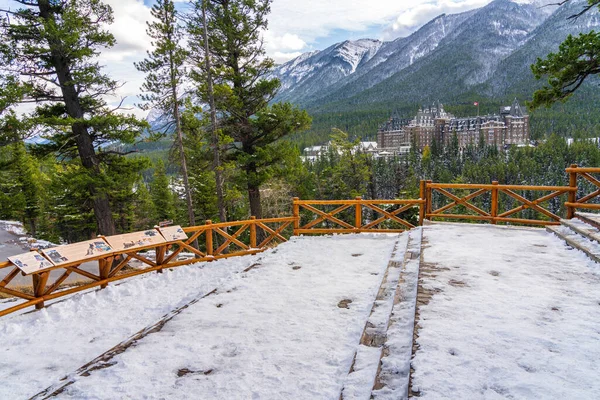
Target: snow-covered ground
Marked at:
515, 314
275, 331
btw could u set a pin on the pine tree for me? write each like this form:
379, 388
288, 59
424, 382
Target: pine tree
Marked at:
165, 72
243, 89
577, 59
48, 55
161, 193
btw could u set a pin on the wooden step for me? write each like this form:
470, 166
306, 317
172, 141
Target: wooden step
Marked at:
366, 365
583, 228
589, 218
577, 241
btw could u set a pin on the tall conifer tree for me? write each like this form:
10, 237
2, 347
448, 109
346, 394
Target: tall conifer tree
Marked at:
164, 70
48, 57
243, 88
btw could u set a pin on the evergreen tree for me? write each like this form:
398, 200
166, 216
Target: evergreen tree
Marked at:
243, 89
577, 59
48, 55
165, 72
161, 193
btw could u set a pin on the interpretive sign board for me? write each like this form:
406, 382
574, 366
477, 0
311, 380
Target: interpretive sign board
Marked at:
77, 251
30, 262
172, 233
132, 241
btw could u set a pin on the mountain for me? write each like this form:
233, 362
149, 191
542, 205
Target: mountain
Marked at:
313, 72
481, 54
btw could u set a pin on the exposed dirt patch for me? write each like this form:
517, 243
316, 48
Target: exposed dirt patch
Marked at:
494, 273
187, 371
344, 303
253, 266
296, 267
457, 283
356, 255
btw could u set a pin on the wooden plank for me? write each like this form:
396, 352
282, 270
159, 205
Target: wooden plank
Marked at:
322, 218
490, 186
587, 170
328, 217
82, 272
389, 215
276, 233
463, 202
16, 294
532, 204
231, 239
11, 275
585, 206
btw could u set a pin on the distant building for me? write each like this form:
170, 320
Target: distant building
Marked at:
313, 152
509, 127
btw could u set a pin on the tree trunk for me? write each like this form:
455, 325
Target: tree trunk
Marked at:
85, 145
254, 198
213, 121
184, 170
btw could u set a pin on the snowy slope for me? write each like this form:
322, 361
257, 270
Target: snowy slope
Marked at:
275, 331
514, 315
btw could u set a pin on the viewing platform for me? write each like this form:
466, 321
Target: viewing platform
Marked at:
481, 311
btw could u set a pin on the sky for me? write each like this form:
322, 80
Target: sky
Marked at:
295, 27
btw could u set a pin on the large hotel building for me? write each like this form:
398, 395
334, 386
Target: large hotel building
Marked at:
509, 127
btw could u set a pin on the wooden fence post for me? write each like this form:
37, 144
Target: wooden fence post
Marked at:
253, 232
104, 266
428, 198
39, 286
358, 213
422, 205
572, 197
494, 205
296, 211
209, 239
160, 256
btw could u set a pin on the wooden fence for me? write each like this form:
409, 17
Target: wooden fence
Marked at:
360, 216
473, 202
587, 189
461, 198
213, 240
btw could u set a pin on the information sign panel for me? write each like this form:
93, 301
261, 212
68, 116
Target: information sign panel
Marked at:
132, 241
77, 251
30, 262
172, 233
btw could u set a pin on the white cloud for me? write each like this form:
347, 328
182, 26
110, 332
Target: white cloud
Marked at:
411, 19
312, 21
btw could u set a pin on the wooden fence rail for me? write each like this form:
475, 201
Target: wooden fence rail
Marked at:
385, 216
492, 212
475, 202
589, 189
115, 265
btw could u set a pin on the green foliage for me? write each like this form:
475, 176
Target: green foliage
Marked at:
578, 58
161, 193
243, 89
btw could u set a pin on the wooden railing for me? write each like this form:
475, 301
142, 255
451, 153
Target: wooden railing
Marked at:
587, 189
463, 196
358, 215
213, 241
493, 202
